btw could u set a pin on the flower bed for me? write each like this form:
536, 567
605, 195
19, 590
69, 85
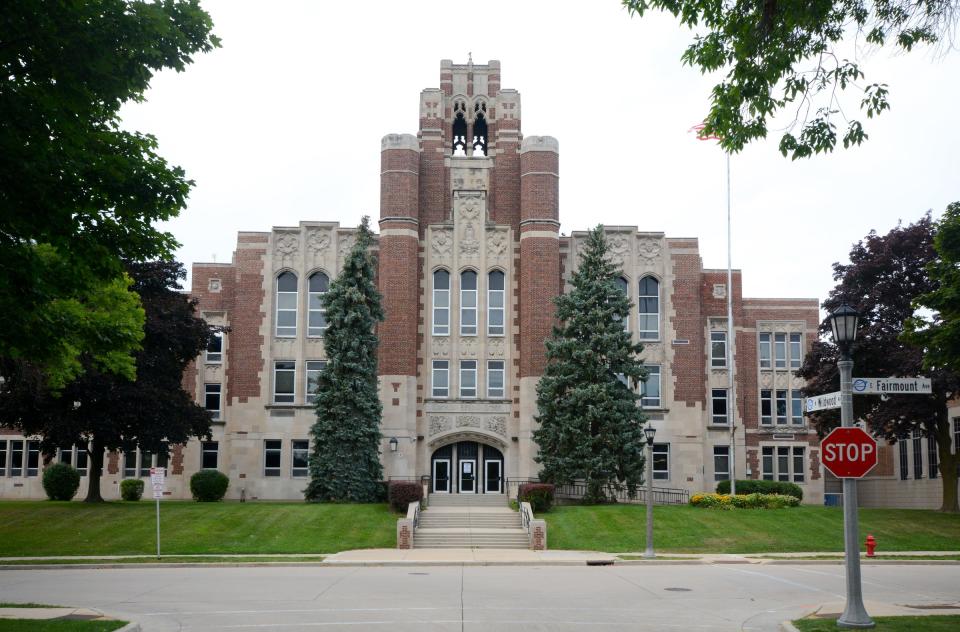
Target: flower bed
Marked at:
743, 501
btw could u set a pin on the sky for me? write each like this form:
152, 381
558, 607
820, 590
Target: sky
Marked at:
283, 124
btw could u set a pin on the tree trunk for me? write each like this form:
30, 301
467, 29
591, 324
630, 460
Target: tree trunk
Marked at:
93, 473
948, 469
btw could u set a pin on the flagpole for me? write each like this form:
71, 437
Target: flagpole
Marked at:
731, 368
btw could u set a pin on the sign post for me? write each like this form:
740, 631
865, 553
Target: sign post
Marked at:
157, 480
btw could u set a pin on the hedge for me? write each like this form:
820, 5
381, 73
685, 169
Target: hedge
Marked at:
131, 489
209, 485
743, 501
61, 481
539, 495
762, 487
402, 493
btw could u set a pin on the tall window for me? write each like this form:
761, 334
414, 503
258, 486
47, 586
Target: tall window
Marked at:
3, 457
781, 407
783, 463
933, 458
764, 350
796, 408
649, 308
211, 399
146, 461
661, 461
33, 458
780, 351
299, 453
130, 464
468, 303
287, 305
766, 406
917, 455
718, 349
284, 381
209, 453
16, 458
718, 397
314, 369
271, 457
441, 303
624, 287
440, 379
495, 303
468, 378
215, 349
82, 459
904, 465
721, 463
650, 388
496, 388
796, 352
317, 313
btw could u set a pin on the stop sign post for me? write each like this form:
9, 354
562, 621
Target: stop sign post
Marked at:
848, 452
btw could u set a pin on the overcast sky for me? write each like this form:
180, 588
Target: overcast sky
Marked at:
283, 124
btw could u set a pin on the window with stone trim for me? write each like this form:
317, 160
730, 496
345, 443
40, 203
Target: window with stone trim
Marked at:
718, 349
904, 463
209, 455
496, 303
779, 350
721, 463
468, 303
284, 381
130, 464
933, 459
496, 386
299, 452
214, 353
440, 378
650, 388
917, 455
3, 457
33, 458
314, 369
796, 350
718, 405
16, 457
783, 463
441, 303
468, 379
212, 400
318, 284
272, 449
286, 305
661, 461
648, 305
776, 404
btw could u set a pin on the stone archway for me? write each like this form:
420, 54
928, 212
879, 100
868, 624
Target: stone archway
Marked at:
467, 466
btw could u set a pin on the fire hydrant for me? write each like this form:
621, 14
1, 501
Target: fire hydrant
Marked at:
871, 545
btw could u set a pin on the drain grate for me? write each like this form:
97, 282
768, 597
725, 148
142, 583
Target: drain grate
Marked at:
599, 562
676, 589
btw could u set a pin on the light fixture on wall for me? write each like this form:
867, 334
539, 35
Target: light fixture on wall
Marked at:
393, 444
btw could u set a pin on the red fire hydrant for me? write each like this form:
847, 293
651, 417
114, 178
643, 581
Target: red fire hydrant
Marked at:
871, 545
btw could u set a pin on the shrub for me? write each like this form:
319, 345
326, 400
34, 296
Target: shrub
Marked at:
539, 495
131, 489
743, 501
762, 487
208, 486
60, 481
402, 493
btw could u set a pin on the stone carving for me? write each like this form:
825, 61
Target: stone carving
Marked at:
495, 347
496, 243
344, 246
619, 249
438, 424
648, 247
469, 245
766, 379
782, 379
470, 208
468, 421
285, 249
318, 241
468, 347
497, 425
441, 242
441, 347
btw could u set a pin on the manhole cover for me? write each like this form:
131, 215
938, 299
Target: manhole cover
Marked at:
674, 589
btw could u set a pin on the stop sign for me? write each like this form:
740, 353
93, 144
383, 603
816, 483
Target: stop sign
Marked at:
848, 452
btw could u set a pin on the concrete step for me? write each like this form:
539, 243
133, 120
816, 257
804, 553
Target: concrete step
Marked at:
447, 500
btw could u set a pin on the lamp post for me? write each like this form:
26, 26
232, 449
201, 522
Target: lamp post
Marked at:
843, 322
649, 432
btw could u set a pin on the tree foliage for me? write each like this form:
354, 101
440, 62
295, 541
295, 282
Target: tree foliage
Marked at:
780, 54
78, 194
345, 458
885, 275
591, 427
105, 411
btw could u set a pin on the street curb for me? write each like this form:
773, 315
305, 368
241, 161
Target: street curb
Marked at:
863, 562
131, 627
786, 626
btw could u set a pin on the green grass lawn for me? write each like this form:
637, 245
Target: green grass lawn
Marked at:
933, 623
684, 529
75, 528
34, 625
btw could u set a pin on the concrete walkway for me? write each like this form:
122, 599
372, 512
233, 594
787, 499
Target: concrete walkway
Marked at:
478, 557
62, 614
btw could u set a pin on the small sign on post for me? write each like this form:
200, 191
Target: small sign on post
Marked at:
823, 402
892, 386
157, 481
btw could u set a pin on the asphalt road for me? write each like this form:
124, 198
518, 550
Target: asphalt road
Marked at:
682, 597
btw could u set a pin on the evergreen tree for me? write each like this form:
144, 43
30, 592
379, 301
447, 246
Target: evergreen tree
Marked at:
591, 427
345, 461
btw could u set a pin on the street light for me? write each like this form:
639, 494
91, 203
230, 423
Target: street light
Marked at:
843, 322
649, 432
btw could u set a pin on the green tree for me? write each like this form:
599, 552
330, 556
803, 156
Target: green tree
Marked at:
78, 194
591, 427
345, 460
105, 411
779, 54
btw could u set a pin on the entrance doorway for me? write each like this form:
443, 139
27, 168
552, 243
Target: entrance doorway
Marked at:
468, 476
467, 467
441, 476
493, 477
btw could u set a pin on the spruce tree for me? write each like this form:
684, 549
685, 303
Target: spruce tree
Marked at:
591, 427
345, 460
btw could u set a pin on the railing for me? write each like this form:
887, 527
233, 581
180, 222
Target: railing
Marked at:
577, 491
526, 515
413, 513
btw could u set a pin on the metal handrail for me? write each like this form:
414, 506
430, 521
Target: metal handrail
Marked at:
414, 509
575, 491
526, 515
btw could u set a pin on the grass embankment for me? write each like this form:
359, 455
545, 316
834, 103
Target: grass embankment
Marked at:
37, 528
933, 623
684, 529
47, 625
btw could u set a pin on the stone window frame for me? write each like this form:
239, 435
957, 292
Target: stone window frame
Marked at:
461, 370
725, 398
208, 392
299, 472
718, 337
308, 396
503, 303
214, 356
436, 330
721, 475
917, 449
661, 449
73, 460
277, 309
321, 310
465, 310
792, 405
434, 370
644, 333
268, 451
291, 395
769, 356
503, 377
208, 448
793, 474
643, 387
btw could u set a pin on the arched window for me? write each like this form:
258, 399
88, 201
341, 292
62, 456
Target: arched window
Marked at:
479, 128
468, 303
649, 304
622, 284
495, 303
317, 314
287, 305
441, 303
459, 128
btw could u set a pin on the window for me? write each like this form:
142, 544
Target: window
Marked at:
468, 303
468, 378
721, 463
130, 464
146, 462
162, 455
441, 303
300, 456
287, 305
3, 457
495, 303
624, 287
796, 408
778, 401
932, 457
904, 465
917, 456
796, 353
211, 399
764, 350
780, 351
781, 407
661, 461
783, 463
314, 369
956, 435
33, 458
718, 349
649, 306
215, 348
16, 458
316, 312
495, 382
719, 407
271, 457
82, 459
284, 381
440, 379
766, 407
63, 456
209, 451
650, 388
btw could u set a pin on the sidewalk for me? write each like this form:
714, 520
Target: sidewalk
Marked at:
833, 610
63, 614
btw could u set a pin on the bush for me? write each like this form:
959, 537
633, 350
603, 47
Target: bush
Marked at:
131, 489
209, 486
61, 481
743, 501
402, 493
762, 487
539, 495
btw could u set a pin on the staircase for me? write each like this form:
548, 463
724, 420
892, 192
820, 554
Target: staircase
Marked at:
469, 521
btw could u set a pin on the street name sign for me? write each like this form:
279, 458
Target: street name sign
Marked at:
892, 386
823, 402
848, 452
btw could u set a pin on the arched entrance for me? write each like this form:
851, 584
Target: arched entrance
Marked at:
466, 467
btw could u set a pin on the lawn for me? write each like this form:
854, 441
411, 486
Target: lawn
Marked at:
75, 528
934, 623
684, 529
35, 625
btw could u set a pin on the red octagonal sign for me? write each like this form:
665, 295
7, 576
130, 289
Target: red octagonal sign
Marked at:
848, 452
